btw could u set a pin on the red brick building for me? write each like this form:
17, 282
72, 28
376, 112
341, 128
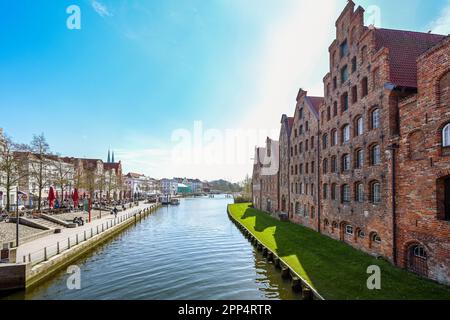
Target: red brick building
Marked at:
423, 169
370, 70
284, 140
304, 164
256, 178
269, 176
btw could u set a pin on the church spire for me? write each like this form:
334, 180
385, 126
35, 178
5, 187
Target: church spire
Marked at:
112, 157
109, 156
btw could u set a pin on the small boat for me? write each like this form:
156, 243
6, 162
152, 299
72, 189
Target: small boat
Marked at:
165, 200
175, 202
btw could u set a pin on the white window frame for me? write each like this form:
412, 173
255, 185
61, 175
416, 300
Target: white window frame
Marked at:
376, 117
346, 133
446, 136
349, 230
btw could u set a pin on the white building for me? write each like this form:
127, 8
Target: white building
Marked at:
140, 185
169, 186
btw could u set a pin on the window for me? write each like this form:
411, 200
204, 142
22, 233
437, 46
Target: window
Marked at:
333, 164
354, 94
324, 141
345, 133
345, 162
325, 166
344, 49
328, 113
334, 83
364, 87
295, 148
297, 208
313, 164
344, 74
349, 230
345, 193
359, 126
375, 238
359, 192
376, 78
375, 118
312, 143
325, 191
301, 113
301, 130
306, 126
301, 168
375, 192
361, 234
354, 64
335, 109
359, 159
306, 145
344, 102
334, 137
333, 191
363, 54
300, 148
375, 155
446, 136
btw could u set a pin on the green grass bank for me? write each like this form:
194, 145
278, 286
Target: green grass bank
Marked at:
336, 270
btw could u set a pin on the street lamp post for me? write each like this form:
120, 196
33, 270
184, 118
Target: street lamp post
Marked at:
17, 217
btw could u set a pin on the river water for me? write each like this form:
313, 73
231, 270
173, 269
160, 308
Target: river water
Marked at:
189, 252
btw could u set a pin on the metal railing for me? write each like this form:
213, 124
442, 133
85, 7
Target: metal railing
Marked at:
48, 252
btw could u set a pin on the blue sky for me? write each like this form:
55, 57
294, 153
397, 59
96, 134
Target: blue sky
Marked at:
139, 71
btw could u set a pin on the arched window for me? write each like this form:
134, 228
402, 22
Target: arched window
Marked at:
346, 162
359, 192
359, 126
345, 193
345, 133
363, 54
417, 259
325, 191
333, 164
333, 191
375, 155
359, 158
361, 234
334, 137
335, 225
324, 141
446, 136
375, 238
325, 166
375, 119
349, 230
375, 192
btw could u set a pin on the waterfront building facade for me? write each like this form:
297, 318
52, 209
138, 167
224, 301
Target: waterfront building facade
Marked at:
284, 183
269, 176
381, 145
304, 163
423, 170
256, 178
168, 186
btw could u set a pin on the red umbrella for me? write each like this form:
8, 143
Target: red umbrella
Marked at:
75, 198
51, 197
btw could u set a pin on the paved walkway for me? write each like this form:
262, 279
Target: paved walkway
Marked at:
35, 248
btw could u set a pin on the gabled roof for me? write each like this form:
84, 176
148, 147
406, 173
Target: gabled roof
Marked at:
316, 102
404, 49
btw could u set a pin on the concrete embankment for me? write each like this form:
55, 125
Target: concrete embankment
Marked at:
28, 271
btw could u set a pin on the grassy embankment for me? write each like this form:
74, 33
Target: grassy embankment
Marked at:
334, 269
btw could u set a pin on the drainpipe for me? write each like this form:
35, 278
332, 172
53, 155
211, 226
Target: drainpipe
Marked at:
393, 149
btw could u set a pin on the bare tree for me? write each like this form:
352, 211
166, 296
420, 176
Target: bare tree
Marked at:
11, 167
111, 183
63, 175
40, 165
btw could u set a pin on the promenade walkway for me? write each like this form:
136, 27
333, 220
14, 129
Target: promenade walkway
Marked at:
40, 249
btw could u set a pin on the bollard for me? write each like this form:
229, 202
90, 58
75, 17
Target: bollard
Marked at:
45, 254
77, 240
84, 235
92, 232
296, 284
68, 242
57, 248
285, 272
103, 227
307, 293
24, 259
29, 257
97, 230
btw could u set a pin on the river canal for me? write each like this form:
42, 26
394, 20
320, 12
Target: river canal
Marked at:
190, 252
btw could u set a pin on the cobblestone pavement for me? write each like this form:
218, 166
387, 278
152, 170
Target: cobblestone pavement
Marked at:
8, 232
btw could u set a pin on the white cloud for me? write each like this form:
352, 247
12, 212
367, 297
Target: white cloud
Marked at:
101, 9
442, 24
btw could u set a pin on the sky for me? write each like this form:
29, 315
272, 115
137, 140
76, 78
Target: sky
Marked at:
182, 88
